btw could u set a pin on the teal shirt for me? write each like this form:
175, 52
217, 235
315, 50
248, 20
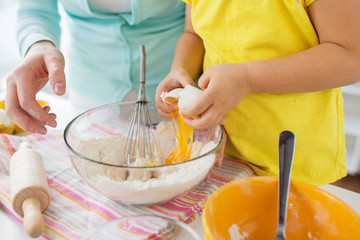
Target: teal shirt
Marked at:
102, 55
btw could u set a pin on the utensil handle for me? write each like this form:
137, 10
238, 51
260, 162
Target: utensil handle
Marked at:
33, 219
286, 154
142, 96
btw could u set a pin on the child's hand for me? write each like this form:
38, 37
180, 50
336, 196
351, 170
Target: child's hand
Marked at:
43, 63
177, 78
220, 157
224, 85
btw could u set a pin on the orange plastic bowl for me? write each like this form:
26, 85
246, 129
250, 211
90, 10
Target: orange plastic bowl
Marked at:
249, 206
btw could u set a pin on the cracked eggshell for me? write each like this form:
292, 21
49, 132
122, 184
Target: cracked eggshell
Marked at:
188, 96
172, 96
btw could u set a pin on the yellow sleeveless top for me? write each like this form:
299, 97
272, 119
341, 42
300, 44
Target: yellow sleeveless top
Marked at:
249, 30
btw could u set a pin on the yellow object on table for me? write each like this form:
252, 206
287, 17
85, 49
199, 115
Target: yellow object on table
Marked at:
7, 129
247, 209
10, 127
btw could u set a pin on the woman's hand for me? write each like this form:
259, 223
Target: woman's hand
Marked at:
42, 63
224, 85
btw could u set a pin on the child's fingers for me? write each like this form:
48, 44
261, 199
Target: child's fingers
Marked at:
220, 157
208, 175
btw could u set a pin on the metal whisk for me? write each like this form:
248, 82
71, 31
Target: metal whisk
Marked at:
140, 140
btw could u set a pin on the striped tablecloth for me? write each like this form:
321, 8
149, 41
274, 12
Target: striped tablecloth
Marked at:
75, 208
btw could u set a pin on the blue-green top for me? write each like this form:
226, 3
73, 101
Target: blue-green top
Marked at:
102, 56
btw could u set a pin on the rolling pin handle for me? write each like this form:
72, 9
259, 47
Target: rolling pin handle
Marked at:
33, 219
24, 145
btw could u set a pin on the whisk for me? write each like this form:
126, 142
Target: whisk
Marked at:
140, 140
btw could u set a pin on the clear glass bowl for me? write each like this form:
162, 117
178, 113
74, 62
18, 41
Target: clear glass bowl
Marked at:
95, 142
142, 227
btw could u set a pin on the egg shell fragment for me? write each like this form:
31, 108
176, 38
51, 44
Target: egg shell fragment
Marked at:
188, 96
172, 96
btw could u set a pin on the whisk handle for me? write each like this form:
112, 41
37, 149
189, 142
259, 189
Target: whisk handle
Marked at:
142, 96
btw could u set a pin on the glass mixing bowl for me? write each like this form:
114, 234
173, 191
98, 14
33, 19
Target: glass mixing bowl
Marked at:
143, 227
95, 141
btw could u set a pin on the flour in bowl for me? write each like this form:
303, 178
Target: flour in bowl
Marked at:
143, 186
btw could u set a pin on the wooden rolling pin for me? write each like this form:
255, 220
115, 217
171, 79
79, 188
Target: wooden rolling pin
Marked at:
29, 188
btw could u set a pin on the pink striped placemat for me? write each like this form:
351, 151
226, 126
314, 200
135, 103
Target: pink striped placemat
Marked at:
75, 208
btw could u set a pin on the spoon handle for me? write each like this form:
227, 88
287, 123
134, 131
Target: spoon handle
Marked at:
286, 153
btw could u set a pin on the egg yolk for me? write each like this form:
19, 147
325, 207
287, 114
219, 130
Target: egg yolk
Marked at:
183, 141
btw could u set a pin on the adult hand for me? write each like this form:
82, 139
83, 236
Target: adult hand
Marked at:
177, 78
42, 63
224, 85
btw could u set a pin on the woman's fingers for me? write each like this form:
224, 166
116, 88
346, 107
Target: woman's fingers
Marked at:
55, 65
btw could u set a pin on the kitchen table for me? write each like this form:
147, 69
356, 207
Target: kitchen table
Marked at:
10, 229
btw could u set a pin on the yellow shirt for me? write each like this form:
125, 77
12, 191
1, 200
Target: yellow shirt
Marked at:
249, 30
